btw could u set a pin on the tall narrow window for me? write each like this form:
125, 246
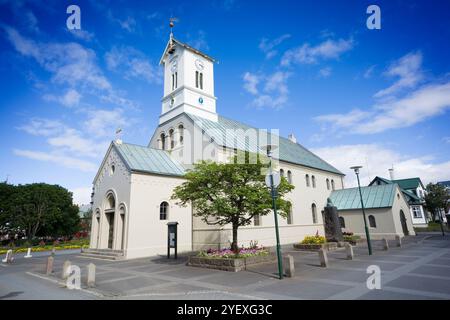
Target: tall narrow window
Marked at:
289, 217
281, 172
372, 221
176, 80
171, 139
181, 133
289, 176
163, 141
307, 180
163, 210
173, 81
257, 220
313, 180
314, 213
201, 80
342, 222
332, 184
328, 184
196, 79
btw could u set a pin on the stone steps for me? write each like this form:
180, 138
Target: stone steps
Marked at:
106, 254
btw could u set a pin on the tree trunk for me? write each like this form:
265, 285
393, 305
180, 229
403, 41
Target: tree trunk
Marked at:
234, 244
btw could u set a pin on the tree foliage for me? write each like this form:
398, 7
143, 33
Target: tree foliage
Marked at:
437, 198
231, 193
38, 209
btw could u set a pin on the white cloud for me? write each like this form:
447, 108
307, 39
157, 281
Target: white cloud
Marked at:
42, 127
199, 41
103, 123
63, 160
268, 46
133, 63
307, 54
376, 159
81, 195
128, 24
71, 140
82, 34
325, 72
70, 99
408, 70
423, 103
369, 72
274, 93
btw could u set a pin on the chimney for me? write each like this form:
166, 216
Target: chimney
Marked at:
391, 173
292, 138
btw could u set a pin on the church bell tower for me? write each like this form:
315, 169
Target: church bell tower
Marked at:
188, 82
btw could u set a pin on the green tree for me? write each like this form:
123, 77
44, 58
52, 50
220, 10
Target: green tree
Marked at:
44, 210
436, 198
6, 193
231, 193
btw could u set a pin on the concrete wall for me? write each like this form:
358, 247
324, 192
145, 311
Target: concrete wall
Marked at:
148, 234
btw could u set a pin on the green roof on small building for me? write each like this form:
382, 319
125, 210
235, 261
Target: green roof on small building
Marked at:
407, 184
377, 196
288, 151
149, 160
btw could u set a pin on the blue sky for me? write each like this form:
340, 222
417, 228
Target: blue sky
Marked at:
352, 95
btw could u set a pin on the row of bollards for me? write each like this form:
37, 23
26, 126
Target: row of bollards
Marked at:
9, 258
68, 269
323, 258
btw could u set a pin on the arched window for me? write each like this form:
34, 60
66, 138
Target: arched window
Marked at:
342, 222
176, 80
171, 139
372, 222
332, 184
328, 184
111, 204
289, 217
281, 172
289, 176
313, 180
196, 79
181, 133
163, 210
201, 80
314, 212
307, 180
163, 141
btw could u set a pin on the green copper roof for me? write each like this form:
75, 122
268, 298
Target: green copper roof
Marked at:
145, 159
288, 150
381, 196
411, 183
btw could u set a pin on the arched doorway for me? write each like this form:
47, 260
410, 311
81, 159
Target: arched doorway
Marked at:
109, 213
403, 221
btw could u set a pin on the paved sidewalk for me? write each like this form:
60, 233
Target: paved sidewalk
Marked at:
418, 270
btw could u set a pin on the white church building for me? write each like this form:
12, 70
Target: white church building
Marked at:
132, 190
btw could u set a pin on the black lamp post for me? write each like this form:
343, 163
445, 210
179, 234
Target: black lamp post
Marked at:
369, 244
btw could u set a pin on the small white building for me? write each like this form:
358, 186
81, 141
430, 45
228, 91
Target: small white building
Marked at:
385, 206
133, 187
414, 191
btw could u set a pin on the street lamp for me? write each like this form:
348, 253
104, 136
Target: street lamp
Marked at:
369, 245
269, 148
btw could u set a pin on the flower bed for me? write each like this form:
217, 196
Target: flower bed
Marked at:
76, 244
228, 260
315, 243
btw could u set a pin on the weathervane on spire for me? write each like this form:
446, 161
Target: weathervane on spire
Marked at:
118, 133
172, 24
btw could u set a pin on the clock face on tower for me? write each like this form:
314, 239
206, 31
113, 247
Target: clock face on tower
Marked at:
199, 64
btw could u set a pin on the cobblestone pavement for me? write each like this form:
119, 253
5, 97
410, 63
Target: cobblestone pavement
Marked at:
420, 269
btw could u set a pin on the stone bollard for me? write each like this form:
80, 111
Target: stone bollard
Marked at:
289, 267
49, 268
65, 270
91, 275
323, 258
53, 251
28, 255
349, 251
399, 241
385, 244
9, 257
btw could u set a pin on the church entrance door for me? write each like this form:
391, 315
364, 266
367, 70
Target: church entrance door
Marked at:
404, 225
110, 217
